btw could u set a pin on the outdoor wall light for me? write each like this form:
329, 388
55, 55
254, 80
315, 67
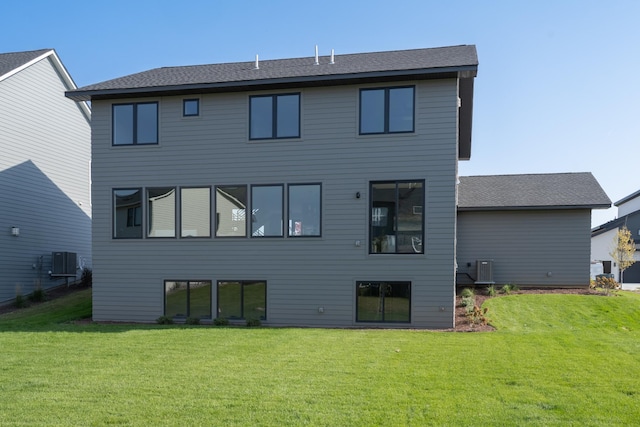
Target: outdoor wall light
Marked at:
15, 231
358, 195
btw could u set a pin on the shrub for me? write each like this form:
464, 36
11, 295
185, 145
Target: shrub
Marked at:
220, 321
478, 316
253, 322
86, 278
164, 320
508, 288
38, 295
466, 292
607, 285
467, 301
192, 321
20, 301
491, 291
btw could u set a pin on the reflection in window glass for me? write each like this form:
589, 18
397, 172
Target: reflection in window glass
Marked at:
147, 123
383, 301
387, 110
123, 124
304, 210
127, 213
266, 211
135, 123
195, 212
274, 116
396, 223
188, 299
288, 118
242, 299
261, 113
161, 212
191, 107
372, 111
231, 206
401, 109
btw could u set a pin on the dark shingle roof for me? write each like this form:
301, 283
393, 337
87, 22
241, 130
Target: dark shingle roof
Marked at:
536, 191
13, 60
297, 70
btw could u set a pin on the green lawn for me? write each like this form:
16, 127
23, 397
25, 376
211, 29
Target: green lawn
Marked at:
554, 360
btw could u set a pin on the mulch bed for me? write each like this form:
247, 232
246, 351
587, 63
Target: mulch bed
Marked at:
462, 321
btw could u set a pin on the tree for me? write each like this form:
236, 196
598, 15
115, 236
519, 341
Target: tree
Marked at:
624, 248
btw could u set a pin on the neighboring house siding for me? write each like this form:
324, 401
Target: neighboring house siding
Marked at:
526, 245
302, 274
44, 178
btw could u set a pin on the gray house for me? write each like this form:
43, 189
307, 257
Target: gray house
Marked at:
602, 238
310, 191
45, 201
528, 230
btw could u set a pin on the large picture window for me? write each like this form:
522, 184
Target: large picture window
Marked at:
127, 213
266, 211
242, 300
231, 211
274, 116
396, 221
135, 123
184, 299
387, 110
195, 212
304, 209
161, 212
383, 302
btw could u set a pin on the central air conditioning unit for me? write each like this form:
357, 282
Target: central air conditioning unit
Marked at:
484, 272
63, 264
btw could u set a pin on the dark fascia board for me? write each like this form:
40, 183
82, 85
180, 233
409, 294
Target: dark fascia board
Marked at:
465, 91
626, 199
532, 208
275, 84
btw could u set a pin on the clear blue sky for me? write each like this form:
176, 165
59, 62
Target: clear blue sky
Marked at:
557, 88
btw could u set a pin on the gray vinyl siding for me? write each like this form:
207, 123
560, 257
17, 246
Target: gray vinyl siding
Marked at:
302, 274
526, 246
44, 178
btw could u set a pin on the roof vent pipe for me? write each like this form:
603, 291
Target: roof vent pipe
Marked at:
257, 66
332, 58
317, 63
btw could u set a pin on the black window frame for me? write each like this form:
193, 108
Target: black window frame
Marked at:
387, 112
288, 210
394, 226
283, 217
135, 123
217, 211
128, 223
242, 289
184, 107
360, 283
149, 212
182, 216
188, 302
274, 116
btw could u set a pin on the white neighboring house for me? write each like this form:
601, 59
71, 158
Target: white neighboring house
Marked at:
45, 195
602, 240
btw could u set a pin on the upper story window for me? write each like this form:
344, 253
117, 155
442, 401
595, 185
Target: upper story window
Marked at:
161, 212
387, 110
231, 211
135, 123
274, 116
190, 107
